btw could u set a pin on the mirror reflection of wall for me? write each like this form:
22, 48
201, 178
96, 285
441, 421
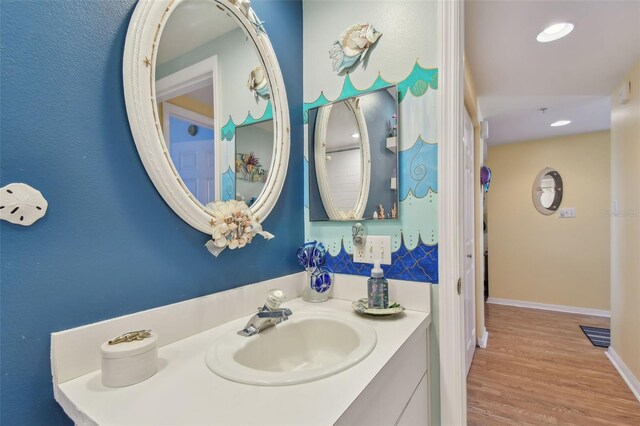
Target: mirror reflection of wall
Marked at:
352, 158
204, 64
254, 149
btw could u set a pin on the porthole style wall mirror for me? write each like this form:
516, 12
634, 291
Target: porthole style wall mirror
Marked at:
207, 106
353, 160
547, 191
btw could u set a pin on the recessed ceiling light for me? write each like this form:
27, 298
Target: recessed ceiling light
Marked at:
554, 32
355, 135
560, 123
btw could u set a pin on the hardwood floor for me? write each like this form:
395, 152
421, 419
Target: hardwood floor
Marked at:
539, 368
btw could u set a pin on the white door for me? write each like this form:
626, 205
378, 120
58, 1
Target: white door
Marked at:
469, 274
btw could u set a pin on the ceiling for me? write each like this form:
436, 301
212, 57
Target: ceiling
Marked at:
192, 24
572, 77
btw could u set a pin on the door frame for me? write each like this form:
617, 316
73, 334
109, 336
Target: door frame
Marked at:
169, 109
186, 80
453, 389
469, 218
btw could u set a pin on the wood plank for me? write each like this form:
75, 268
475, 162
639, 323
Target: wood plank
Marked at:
539, 368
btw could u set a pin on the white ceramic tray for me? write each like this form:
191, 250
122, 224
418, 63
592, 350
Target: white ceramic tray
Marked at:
362, 307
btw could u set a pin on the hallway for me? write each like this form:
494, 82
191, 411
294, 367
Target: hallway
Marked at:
539, 368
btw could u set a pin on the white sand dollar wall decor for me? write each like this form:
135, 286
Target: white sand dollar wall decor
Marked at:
21, 204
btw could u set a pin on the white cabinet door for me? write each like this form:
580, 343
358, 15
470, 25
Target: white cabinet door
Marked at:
416, 412
383, 401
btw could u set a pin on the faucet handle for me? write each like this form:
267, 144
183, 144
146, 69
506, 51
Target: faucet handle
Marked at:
275, 297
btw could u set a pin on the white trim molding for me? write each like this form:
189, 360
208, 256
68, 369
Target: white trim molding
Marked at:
482, 341
189, 79
453, 381
631, 380
169, 109
550, 307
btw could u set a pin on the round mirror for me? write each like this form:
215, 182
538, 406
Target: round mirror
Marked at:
207, 105
547, 191
343, 160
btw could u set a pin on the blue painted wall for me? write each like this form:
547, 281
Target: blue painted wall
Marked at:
108, 245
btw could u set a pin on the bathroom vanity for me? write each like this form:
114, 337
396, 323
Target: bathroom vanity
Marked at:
323, 364
389, 386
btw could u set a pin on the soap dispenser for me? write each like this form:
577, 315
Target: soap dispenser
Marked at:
378, 288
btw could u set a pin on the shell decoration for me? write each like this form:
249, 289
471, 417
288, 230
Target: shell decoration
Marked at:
353, 46
233, 226
21, 204
258, 83
245, 7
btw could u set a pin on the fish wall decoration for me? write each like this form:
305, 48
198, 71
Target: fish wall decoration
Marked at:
258, 83
353, 47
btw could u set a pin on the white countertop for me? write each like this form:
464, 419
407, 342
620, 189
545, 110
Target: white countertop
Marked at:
186, 392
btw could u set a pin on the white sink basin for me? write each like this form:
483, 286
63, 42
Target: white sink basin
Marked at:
307, 347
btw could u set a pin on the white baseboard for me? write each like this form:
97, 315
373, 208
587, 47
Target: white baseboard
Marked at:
549, 307
482, 341
627, 375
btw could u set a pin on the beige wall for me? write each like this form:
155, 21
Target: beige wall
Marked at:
625, 225
545, 259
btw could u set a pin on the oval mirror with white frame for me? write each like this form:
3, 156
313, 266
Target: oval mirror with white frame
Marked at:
207, 106
342, 159
353, 159
547, 191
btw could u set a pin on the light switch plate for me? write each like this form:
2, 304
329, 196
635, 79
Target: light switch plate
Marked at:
567, 212
375, 248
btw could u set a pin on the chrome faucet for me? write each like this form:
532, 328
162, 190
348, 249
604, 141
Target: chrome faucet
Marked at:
268, 316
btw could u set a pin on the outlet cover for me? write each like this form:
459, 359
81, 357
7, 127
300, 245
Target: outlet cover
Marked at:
567, 212
375, 248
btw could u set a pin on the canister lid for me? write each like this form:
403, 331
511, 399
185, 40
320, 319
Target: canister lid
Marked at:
128, 349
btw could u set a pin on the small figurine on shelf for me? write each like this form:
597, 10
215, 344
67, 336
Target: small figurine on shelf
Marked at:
380, 212
392, 126
394, 129
394, 211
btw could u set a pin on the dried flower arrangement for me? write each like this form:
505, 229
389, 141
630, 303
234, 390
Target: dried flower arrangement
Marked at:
248, 168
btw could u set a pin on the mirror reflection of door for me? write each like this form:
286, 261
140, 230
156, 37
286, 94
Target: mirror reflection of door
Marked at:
191, 147
187, 105
207, 76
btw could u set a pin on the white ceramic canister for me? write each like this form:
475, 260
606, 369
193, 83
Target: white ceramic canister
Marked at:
127, 363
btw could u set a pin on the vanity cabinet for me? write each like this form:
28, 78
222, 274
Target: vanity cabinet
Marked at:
388, 387
398, 394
